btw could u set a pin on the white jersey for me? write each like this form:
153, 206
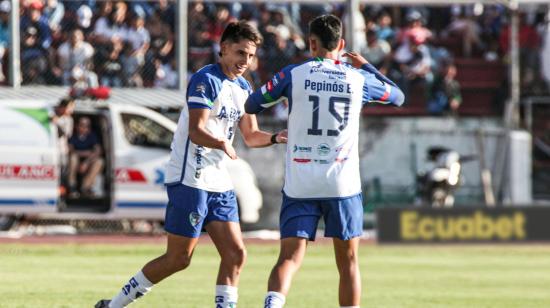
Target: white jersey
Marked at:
198, 166
325, 100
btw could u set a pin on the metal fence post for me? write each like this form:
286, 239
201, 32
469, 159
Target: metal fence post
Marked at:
181, 43
14, 77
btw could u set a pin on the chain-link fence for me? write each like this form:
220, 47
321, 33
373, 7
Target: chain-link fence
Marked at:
93, 43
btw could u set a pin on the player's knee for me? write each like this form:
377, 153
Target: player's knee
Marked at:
178, 262
236, 257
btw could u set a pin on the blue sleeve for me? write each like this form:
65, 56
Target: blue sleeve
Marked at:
378, 88
201, 92
270, 93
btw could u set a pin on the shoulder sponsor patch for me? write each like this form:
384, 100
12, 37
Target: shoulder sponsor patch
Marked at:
201, 87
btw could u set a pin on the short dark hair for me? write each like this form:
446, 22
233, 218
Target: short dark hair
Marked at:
328, 28
238, 30
64, 102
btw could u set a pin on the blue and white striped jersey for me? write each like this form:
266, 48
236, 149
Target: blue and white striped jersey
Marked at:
325, 99
198, 166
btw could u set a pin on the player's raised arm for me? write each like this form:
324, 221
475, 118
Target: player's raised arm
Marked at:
377, 87
271, 93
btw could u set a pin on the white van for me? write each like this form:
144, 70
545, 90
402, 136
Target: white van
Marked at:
136, 147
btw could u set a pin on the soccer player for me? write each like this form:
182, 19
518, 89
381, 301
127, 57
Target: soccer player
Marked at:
199, 188
322, 162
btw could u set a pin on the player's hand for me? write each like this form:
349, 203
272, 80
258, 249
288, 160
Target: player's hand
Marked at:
357, 60
282, 136
228, 149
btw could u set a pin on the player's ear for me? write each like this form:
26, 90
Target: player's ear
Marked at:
341, 44
312, 44
223, 48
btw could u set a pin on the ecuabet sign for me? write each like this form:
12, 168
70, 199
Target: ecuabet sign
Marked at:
471, 224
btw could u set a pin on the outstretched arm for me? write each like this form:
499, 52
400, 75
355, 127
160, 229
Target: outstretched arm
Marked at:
384, 91
199, 135
256, 138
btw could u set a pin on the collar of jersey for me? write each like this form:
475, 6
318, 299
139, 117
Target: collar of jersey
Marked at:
321, 59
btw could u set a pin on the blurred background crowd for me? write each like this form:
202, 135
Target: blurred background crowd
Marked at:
437, 53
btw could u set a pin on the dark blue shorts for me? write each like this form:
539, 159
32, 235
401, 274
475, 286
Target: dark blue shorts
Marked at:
343, 217
189, 209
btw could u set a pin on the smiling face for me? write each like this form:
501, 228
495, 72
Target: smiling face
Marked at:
237, 56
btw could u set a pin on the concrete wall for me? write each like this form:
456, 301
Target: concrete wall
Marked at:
392, 151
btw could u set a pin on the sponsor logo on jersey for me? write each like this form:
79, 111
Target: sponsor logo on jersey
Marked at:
274, 81
298, 148
28, 172
230, 113
269, 86
302, 160
281, 75
320, 69
323, 149
201, 88
194, 218
322, 161
198, 160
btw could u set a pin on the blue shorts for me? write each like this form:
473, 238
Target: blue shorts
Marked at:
189, 209
343, 217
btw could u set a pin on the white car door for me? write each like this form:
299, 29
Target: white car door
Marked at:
141, 154
29, 162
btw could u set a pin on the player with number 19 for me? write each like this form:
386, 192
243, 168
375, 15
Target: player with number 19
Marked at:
322, 178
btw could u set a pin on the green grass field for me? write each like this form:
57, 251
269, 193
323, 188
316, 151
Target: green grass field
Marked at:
393, 276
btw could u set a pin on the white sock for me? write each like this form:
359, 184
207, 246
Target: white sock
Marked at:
136, 287
226, 296
274, 300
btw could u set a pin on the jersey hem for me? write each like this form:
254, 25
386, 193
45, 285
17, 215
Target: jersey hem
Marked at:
323, 198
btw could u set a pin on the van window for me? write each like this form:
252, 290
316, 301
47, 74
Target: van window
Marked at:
142, 131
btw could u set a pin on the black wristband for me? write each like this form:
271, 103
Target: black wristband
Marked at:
274, 139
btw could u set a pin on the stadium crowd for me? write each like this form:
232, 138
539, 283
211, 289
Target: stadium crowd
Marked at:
131, 43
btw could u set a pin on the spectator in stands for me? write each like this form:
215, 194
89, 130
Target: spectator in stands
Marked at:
529, 47
445, 97
85, 159
36, 42
35, 19
165, 9
110, 64
464, 27
414, 66
377, 51
112, 28
33, 58
84, 19
54, 12
385, 31
201, 49
5, 8
74, 53
167, 75
415, 30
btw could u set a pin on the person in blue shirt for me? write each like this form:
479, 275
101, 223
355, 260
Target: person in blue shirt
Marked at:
84, 158
200, 191
322, 179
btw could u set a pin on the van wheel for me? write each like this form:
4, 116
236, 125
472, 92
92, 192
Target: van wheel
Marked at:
7, 221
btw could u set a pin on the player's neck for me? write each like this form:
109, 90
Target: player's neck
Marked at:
226, 71
325, 54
